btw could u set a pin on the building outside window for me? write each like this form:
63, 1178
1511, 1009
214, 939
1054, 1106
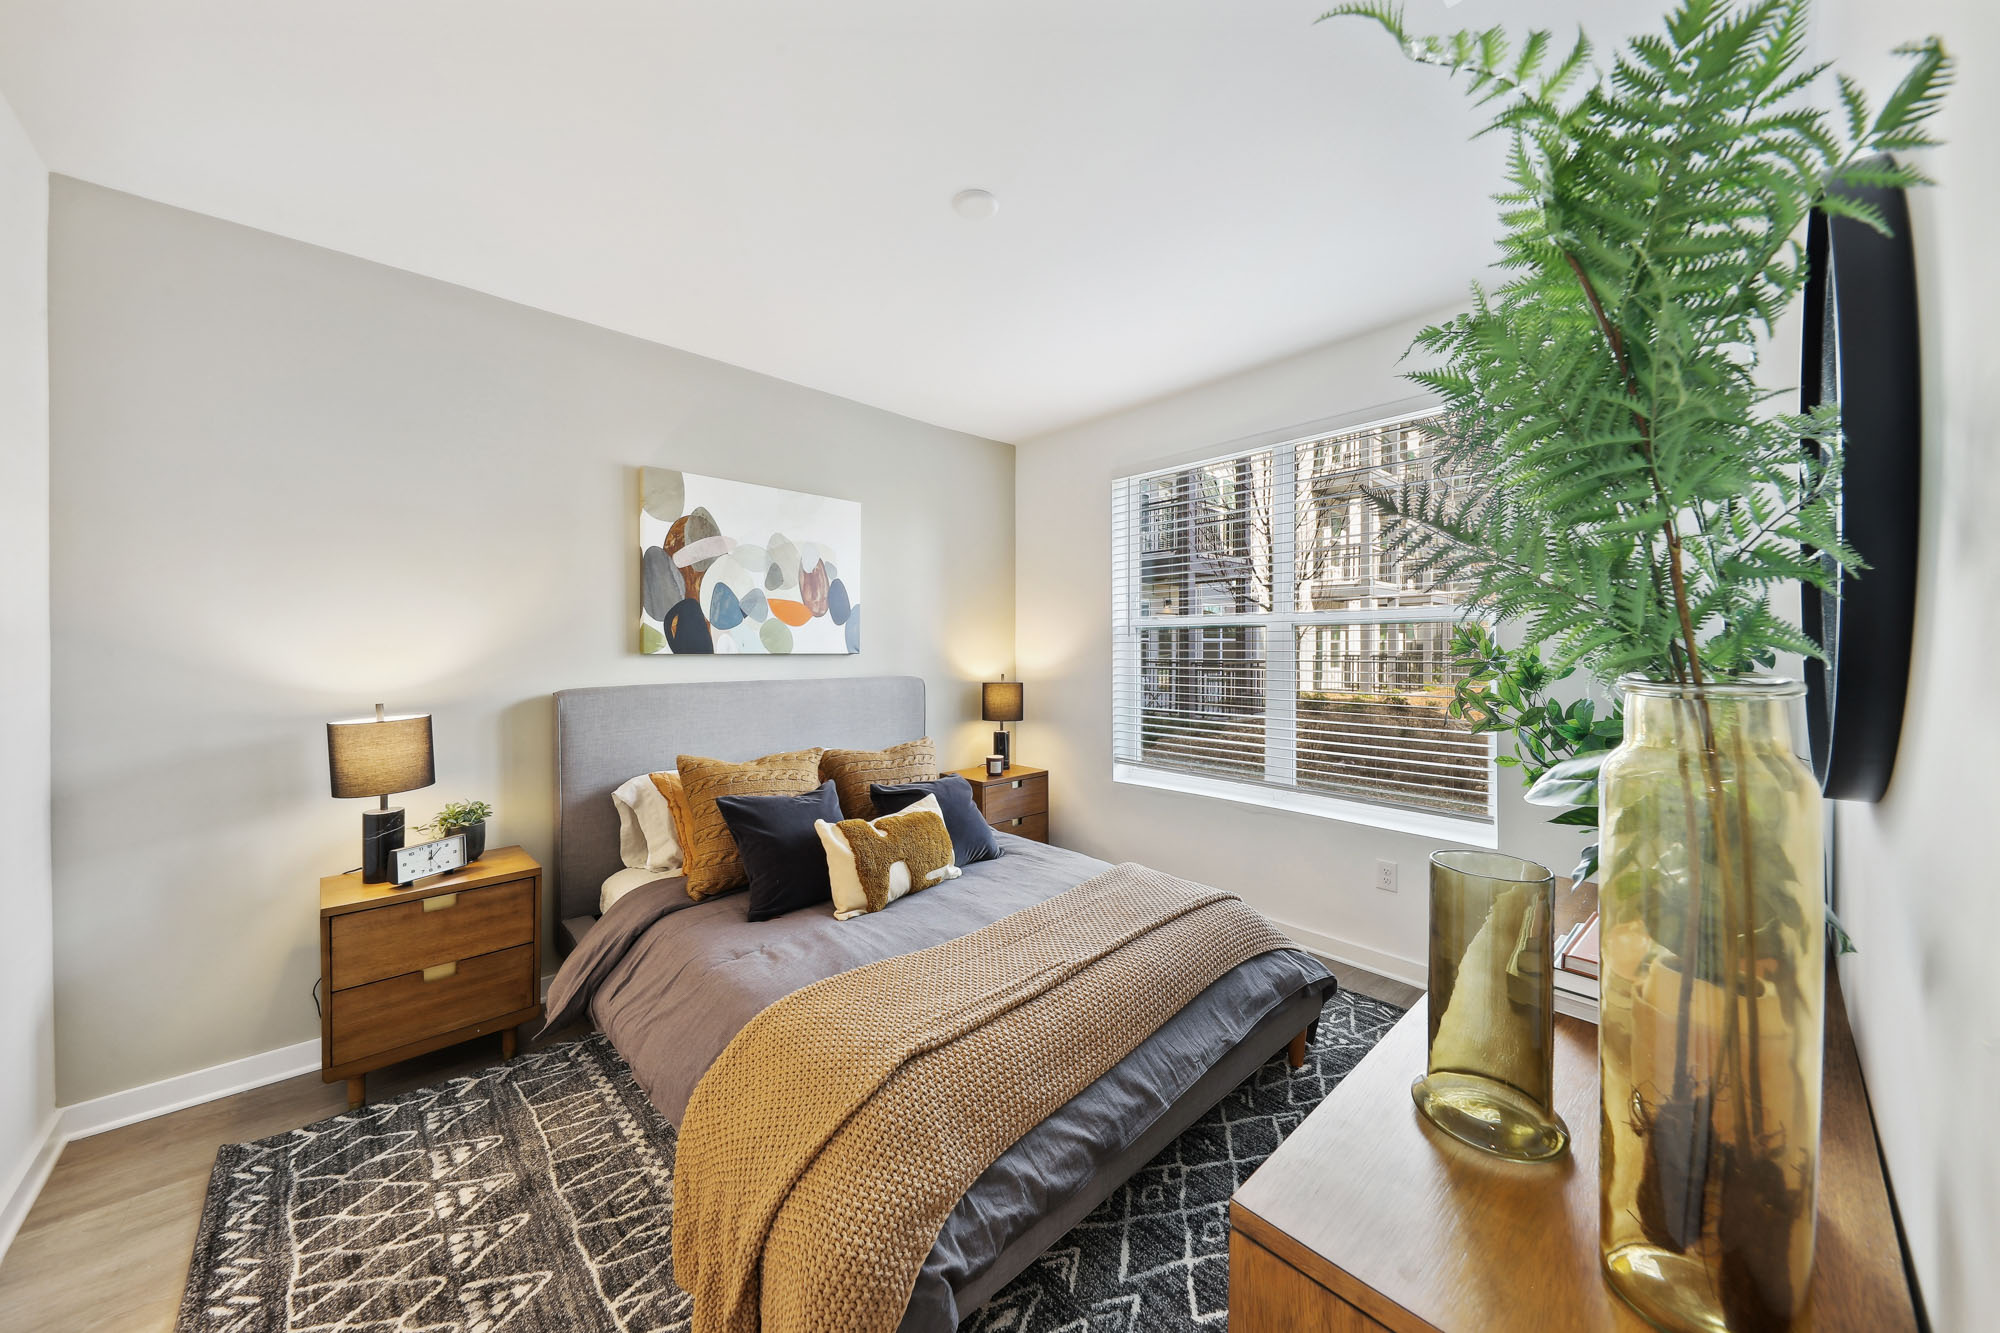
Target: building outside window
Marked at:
1268, 647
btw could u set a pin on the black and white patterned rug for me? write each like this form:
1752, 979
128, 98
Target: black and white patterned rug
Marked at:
537, 1197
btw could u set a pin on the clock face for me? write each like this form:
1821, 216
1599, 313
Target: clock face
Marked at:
430, 858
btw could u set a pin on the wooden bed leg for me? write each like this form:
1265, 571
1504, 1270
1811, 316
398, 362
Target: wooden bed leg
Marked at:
507, 1046
1295, 1054
357, 1091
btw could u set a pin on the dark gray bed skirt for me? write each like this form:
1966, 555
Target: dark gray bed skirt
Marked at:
1053, 1189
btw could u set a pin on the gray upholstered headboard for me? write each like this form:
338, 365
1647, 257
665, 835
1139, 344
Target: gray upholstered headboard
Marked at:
610, 733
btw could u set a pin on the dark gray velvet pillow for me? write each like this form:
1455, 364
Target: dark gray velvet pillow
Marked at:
782, 854
971, 836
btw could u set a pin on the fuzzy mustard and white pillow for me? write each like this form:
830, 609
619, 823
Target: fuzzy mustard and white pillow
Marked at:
647, 839
873, 862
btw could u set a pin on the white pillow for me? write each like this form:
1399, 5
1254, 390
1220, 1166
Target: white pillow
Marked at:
621, 882
849, 898
646, 837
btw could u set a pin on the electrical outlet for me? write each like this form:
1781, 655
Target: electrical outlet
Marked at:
1385, 876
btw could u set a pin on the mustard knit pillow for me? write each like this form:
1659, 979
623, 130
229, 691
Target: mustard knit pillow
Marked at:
853, 770
708, 851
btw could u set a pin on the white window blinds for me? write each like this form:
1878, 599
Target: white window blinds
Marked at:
1262, 635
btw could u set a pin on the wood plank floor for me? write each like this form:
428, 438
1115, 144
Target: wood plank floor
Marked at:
106, 1245
1363, 982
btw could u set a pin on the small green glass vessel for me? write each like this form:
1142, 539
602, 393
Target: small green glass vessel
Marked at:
1490, 1075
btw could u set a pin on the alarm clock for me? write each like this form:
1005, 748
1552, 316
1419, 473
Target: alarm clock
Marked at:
429, 858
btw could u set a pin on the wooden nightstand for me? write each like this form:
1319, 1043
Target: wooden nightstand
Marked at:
1016, 802
405, 971
1367, 1218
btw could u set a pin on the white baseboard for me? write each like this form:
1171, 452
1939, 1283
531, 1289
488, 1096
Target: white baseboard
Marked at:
119, 1109
1573, 1001
20, 1193
1406, 970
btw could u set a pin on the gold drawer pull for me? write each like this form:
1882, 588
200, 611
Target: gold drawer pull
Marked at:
441, 971
439, 903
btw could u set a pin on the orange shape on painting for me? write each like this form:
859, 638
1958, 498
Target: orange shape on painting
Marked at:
792, 613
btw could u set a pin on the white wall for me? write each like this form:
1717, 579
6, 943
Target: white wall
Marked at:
1918, 878
288, 484
27, 1040
1308, 872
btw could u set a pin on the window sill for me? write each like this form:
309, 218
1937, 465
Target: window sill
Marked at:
1466, 832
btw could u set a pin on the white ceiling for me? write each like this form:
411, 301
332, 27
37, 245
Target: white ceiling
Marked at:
1187, 187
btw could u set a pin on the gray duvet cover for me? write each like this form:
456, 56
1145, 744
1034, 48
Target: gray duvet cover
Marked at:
671, 981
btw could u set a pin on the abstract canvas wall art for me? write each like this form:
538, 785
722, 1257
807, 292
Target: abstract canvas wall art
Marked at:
728, 567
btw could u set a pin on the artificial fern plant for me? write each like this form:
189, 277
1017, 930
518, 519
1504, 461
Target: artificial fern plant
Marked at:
1617, 482
1614, 478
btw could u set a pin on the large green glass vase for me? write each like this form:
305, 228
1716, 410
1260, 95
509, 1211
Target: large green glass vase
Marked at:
1714, 969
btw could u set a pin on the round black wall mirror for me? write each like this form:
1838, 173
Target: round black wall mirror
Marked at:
1860, 351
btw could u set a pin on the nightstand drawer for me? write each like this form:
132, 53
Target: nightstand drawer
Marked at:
409, 937
1033, 827
387, 1014
1012, 800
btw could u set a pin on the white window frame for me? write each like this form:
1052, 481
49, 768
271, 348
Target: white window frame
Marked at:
1281, 648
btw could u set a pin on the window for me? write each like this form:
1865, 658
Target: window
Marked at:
1267, 648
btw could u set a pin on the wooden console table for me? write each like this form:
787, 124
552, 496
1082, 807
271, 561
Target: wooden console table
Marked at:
1367, 1218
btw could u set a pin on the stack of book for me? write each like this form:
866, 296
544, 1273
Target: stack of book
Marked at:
1576, 969
1576, 951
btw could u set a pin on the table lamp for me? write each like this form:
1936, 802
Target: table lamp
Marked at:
376, 756
1000, 701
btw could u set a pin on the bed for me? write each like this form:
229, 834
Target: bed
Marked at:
670, 981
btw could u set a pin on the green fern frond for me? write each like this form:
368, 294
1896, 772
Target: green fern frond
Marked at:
1921, 93
1606, 395
1855, 101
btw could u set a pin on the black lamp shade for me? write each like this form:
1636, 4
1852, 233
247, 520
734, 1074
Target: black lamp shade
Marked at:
1000, 701
371, 757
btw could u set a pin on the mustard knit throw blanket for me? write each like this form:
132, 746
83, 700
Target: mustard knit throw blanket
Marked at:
823, 1150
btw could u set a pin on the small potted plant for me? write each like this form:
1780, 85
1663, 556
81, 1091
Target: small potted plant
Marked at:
467, 817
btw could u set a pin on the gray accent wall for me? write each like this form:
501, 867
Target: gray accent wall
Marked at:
27, 1030
287, 484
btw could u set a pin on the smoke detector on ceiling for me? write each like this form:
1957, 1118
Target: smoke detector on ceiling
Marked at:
975, 204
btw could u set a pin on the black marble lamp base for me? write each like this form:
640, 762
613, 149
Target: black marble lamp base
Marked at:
381, 835
1003, 745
